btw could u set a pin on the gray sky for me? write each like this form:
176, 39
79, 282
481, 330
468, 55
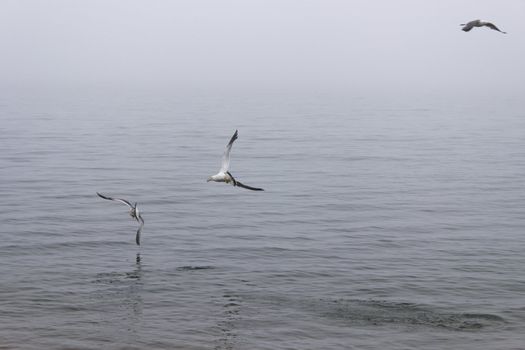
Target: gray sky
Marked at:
366, 44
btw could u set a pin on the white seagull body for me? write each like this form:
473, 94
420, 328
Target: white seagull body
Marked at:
224, 174
478, 23
133, 212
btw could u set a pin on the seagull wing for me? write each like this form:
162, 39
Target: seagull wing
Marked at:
116, 199
226, 156
139, 231
140, 219
467, 27
492, 26
237, 183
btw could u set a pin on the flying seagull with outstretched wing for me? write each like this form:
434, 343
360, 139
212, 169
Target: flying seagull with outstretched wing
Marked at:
224, 174
478, 23
133, 212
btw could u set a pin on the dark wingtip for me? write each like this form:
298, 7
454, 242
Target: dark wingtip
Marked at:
248, 187
234, 137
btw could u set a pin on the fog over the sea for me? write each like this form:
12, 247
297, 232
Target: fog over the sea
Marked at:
366, 45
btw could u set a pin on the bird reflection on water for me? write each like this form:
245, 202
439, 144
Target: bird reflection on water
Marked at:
133, 294
120, 295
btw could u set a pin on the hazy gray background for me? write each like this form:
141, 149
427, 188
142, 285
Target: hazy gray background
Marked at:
389, 144
359, 45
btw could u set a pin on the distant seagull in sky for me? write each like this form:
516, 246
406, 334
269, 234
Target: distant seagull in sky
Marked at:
478, 23
224, 175
133, 212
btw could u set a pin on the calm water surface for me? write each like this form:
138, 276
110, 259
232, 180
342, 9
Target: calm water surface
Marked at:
385, 224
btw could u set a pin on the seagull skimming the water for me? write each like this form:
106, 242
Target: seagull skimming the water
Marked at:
133, 212
478, 23
224, 175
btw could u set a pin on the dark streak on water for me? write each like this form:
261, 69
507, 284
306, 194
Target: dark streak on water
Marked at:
384, 225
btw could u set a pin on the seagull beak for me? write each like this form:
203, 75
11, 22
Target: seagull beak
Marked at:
209, 179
